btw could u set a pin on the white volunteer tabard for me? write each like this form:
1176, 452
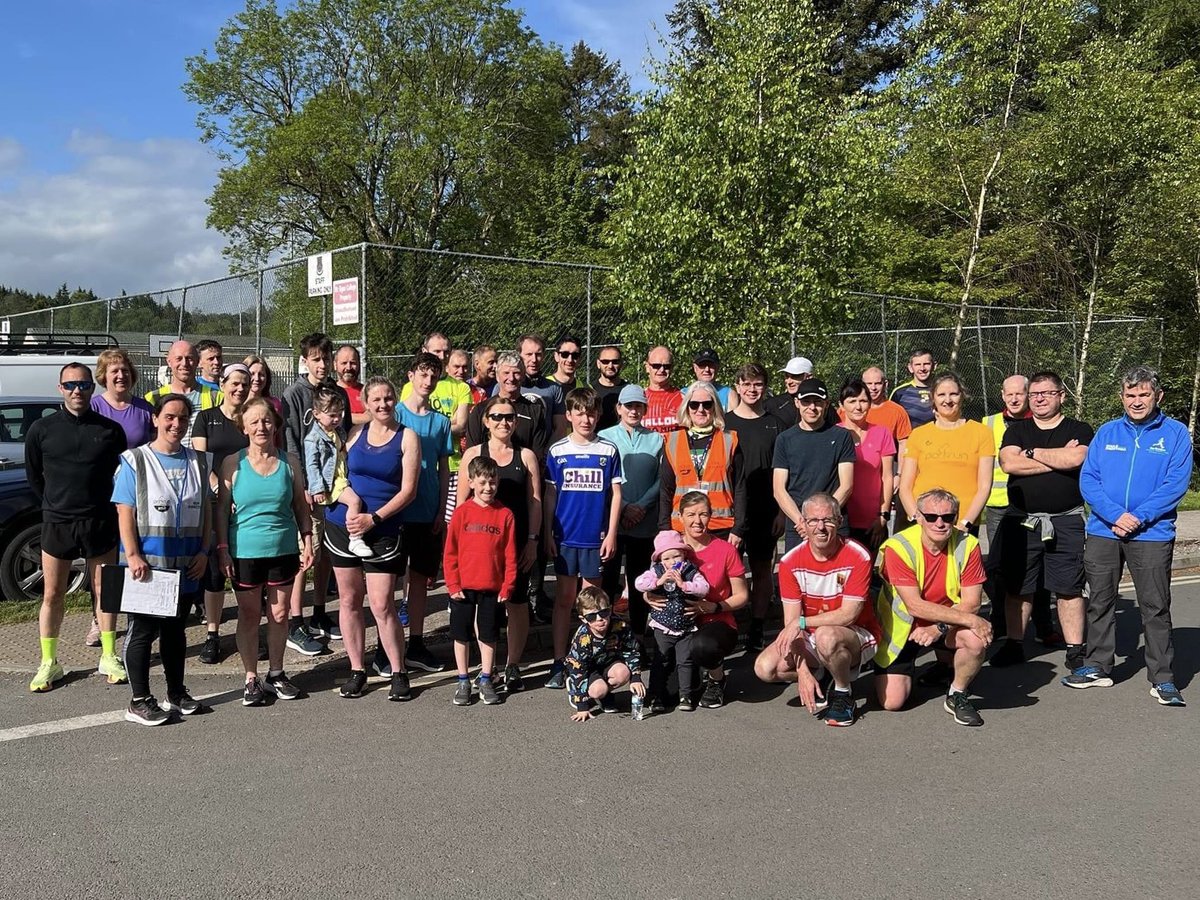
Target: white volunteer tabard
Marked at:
345, 301
320, 274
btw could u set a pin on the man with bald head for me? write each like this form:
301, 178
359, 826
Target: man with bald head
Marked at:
884, 412
663, 399
181, 365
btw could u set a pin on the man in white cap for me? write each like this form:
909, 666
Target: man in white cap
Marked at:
783, 406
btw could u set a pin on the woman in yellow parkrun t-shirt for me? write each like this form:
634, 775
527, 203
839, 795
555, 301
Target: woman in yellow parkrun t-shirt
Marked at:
950, 452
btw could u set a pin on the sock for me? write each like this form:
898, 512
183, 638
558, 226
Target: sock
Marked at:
464, 677
842, 690
955, 689
295, 620
1076, 647
108, 643
484, 676
318, 609
49, 649
274, 673
416, 640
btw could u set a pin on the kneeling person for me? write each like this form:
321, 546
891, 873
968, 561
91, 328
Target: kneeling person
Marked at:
828, 622
932, 587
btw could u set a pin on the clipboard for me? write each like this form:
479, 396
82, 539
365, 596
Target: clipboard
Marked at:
159, 596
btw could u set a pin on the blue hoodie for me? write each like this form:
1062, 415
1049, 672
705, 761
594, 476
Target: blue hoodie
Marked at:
1141, 469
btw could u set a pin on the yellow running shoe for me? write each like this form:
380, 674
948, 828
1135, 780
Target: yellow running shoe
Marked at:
48, 673
111, 666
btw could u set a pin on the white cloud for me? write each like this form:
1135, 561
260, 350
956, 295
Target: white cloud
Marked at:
12, 154
126, 216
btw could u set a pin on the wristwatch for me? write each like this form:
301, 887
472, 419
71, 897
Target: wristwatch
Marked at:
942, 628
376, 518
1029, 452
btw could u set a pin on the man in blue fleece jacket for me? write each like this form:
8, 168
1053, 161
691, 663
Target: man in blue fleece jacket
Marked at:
1137, 470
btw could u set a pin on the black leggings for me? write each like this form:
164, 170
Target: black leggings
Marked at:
172, 647
464, 621
635, 551
711, 643
681, 648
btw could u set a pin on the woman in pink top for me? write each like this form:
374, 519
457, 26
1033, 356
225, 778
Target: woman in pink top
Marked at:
869, 506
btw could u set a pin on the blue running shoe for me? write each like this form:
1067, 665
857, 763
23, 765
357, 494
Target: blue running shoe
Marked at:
558, 676
1167, 694
1086, 677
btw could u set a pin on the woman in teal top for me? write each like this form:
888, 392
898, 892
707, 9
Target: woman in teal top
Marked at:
259, 511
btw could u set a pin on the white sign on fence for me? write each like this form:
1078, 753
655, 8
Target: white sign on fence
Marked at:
160, 344
345, 301
5, 326
320, 274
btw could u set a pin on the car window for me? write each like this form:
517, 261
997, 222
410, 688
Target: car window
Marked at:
15, 419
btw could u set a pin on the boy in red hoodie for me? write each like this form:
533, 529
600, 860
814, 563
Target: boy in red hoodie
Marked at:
480, 563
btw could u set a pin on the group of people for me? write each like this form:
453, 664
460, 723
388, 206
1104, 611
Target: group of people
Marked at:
666, 502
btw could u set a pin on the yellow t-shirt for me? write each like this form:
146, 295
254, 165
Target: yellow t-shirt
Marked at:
447, 396
948, 458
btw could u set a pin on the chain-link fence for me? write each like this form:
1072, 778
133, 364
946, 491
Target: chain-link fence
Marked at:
403, 293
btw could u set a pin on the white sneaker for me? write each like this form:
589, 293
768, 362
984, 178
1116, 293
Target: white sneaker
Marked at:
359, 547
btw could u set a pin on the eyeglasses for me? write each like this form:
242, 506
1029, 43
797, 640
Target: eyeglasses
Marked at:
700, 404
611, 362
1038, 395
84, 387
598, 615
948, 518
705, 365
568, 354
662, 367
502, 417
817, 523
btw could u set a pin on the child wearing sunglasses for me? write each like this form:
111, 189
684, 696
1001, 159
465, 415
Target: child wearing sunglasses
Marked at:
675, 576
604, 656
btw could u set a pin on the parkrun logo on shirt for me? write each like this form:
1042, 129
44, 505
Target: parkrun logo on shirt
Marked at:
1158, 446
583, 480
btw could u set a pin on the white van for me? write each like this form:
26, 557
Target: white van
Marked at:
29, 366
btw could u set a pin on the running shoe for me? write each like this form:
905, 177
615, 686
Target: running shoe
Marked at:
1086, 677
323, 626
301, 640
418, 656
959, 705
685, 704
146, 711
355, 684
487, 692
253, 695
211, 651
93, 635
513, 682
111, 666
558, 676
401, 689
1011, 654
656, 706
48, 673
1167, 694
841, 709
608, 704
462, 693
183, 703
714, 694
380, 664
281, 686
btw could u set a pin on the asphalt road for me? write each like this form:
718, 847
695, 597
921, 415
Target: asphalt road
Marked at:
1061, 794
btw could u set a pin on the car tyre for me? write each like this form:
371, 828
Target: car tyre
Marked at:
21, 566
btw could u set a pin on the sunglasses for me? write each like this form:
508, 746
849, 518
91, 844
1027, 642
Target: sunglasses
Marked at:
569, 354
662, 367
83, 386
700, 404
502, 417
598, 615
948, 518
610, 362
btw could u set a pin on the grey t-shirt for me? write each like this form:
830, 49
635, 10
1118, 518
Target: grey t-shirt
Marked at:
811, 459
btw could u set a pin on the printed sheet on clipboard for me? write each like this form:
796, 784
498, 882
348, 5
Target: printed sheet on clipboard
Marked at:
120, 592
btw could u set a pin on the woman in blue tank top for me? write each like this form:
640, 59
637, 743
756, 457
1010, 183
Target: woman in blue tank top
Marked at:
260, 508
383, 461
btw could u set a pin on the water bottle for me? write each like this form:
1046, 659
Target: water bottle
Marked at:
636, 707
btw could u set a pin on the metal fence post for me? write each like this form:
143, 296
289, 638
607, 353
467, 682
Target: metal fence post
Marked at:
589, 322
1017, 350
182, 307
52, 319
108, 317
258, 309
982, 370
363, 299
883, 333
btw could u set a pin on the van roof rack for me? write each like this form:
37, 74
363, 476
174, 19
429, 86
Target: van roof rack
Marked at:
47, 342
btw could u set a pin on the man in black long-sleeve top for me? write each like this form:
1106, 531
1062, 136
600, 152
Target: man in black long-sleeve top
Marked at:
70, 458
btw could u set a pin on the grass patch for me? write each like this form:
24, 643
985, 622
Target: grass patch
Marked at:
1191, 500
17, 611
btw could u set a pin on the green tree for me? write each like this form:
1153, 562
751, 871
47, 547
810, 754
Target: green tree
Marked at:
742, 206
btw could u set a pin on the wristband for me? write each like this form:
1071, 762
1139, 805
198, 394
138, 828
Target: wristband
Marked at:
803, 623
376, 518
533, 538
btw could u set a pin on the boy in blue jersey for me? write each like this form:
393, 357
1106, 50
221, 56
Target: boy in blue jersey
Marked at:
582, 505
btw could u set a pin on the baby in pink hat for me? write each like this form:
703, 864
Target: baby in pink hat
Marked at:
674, 575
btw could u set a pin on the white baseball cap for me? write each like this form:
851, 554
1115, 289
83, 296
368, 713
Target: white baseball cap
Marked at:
798, 365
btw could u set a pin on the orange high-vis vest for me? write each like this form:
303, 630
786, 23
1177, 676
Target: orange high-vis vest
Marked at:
714, 480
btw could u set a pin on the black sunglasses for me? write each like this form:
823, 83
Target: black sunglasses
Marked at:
663, 366
597, 615
610, 362
935, 517
502, 417
569, 354
700, 404
84, 386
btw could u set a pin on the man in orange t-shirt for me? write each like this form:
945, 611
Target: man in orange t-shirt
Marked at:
663, 399
885, 412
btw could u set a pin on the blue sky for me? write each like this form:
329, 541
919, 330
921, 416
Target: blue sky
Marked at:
102, 176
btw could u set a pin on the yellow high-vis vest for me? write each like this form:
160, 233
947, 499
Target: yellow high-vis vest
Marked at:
895, 621
996, 423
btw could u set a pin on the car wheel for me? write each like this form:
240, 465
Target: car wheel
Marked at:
21, 567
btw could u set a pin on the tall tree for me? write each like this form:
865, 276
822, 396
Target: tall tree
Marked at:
742, 205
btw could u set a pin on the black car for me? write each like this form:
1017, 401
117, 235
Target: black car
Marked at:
21, 540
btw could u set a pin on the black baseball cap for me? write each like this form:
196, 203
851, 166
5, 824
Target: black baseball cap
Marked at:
811, 388
707, 355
